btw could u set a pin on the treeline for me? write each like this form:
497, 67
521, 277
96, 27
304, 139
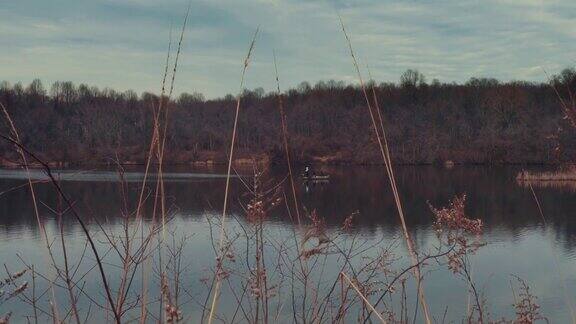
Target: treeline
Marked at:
480, 121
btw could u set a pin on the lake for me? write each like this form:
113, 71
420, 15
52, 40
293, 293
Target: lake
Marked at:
518, 241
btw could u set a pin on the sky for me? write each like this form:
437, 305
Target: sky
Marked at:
122, 43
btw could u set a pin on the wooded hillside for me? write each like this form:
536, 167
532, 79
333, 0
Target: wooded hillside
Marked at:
481, 121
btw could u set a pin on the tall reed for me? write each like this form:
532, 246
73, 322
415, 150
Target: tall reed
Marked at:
157, 145
284, 127
390, 172
220, 258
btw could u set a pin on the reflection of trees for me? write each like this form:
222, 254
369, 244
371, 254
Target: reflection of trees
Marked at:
492, 195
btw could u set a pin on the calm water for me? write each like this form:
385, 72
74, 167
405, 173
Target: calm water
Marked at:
518, 243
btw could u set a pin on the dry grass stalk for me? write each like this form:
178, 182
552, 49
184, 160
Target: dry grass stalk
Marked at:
304, 254
161, 147
157, 143
364, 299
285, 141
155, 135
154, 144
228, 174
383, 145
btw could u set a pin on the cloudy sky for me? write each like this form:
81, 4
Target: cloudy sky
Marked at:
122, 43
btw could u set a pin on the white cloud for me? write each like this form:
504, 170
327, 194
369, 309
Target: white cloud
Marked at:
122, 43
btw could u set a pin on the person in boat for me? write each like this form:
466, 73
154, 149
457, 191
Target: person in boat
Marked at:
307, 172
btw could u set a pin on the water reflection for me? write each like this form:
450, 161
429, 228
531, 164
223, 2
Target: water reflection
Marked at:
492, 195
518, 241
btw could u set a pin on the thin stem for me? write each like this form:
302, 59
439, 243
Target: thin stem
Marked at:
226, 191
387, 161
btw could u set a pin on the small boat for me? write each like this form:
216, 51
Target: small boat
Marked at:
317, 178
